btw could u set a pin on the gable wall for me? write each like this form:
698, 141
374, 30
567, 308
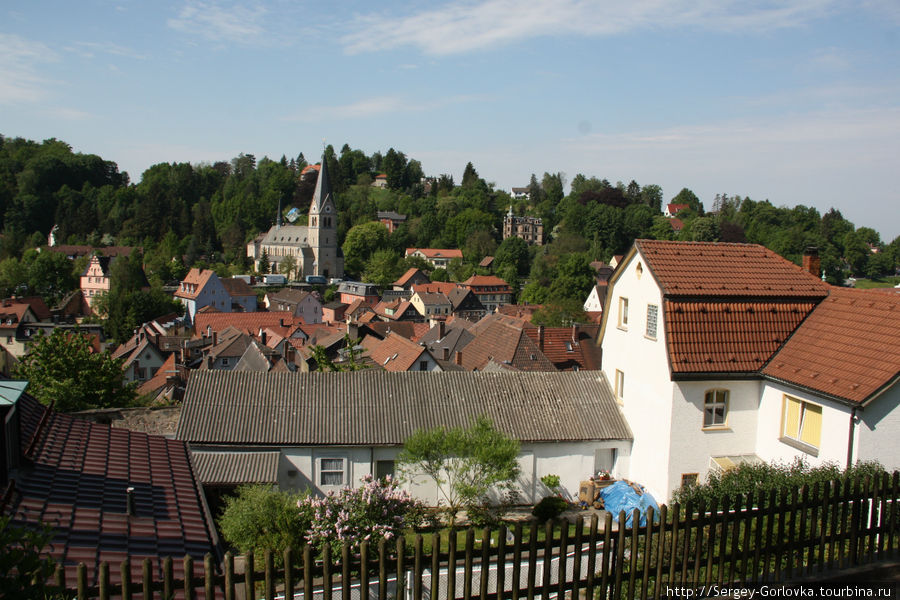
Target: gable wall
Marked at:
877, 431
647, 402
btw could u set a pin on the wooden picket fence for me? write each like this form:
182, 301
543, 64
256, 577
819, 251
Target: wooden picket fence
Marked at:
757, 538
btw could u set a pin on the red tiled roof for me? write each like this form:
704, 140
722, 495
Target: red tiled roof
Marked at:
436, 252
483, 281
435, 287
726, 270
197, 278
847, 348
567, 347
77, 483
37, 304
728, 337
249, 323
394, 352
501, 339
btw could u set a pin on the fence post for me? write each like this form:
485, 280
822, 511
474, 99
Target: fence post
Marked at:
517, 562
103, 591
417, 567
451, 563
168, 579
363, 570
229, 576
576, 565
548, 554
660, 549
59, 575
401, 567
326, 572
345, 570
532, 559
125, 571
249, 569
467, 572
711, 541
81, 575
308, 572
502, 532
485, 561
605, 559
209, 577
188, 577
563, 557
147, 582
435, 564
269, 561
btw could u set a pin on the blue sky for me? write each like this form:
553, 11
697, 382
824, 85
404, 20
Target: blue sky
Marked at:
795, 101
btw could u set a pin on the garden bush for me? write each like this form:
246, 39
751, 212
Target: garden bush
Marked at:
261, 518
549, 508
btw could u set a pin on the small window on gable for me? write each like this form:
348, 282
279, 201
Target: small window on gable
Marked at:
331, 471
715, 408
652, 316
689, 479
623, 313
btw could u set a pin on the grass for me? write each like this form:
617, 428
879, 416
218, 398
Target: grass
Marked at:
883, 282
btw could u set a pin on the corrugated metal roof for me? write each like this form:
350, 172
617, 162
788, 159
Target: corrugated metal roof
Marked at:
383, 408
236, 467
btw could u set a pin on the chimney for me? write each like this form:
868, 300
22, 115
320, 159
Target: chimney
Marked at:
442, 330
458, 357
262, 337
541, 338
811, 262
215, 337
129, 502
446, 352
574, 332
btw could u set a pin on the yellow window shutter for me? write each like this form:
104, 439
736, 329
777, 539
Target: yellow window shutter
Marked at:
791, 417
812, 425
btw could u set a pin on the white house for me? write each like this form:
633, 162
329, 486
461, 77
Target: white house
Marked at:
330, 429
724, 353
202, 288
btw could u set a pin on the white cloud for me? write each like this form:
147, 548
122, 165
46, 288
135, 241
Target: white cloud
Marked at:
90, 49
379, 105
20, 58
465, 25
217, 22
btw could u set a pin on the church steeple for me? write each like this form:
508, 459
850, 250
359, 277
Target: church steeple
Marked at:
323, 194
322, 229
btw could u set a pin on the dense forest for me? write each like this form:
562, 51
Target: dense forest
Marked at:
183, 215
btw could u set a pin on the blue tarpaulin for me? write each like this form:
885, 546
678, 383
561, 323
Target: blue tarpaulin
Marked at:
621, 496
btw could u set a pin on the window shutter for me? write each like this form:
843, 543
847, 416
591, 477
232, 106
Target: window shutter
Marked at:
812, 425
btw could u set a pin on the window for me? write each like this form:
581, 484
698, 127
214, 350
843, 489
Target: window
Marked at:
331, 471
801, 422
652, 311
715, 408
689, 479
623, 313
384, 468
620, 384
423, 365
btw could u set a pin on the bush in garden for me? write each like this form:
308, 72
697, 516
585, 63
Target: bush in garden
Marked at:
765, 477
377, 511
549, 507
261, 518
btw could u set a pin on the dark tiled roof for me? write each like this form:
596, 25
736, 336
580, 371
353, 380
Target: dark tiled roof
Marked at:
382, 408
728, 337
77, 485
233, 468
847, 348
237, 287
715, 269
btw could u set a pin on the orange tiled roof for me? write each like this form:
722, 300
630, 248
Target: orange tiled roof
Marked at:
197, 278
569, 346
728, 337
847, 348
394, 352
726, 270
404, 279
501, 339
484, 280
435, 287
250, 322
436, 252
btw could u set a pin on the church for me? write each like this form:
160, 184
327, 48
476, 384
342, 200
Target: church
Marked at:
314, 247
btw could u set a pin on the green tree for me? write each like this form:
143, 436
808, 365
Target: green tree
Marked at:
383, 268
470, 176
513, 252
686, 196
287, 266
63, 369
361, 243
50, 276
349, 360
560, 313
259, 518
24, 568
465, 464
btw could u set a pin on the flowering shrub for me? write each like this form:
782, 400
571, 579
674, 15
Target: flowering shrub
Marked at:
377, 510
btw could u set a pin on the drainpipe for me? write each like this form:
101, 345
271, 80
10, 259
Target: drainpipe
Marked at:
850, 436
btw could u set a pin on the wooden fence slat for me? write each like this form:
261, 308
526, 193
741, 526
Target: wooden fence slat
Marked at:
592, 557
288, 574
103, 592
563, 552
125, 573
417, 571
660, 549
576, 565
345, 569
532, 559
451, 563
502, 532
229, 576
401, 567
548, 554
435, 564
485, 556
189, 578
648, 553
719, 563
686, 546
673, 553
169, 579
363, 571
710, 544
467, 577
81, 577
700, 527
308, 572
620, 557
517, 561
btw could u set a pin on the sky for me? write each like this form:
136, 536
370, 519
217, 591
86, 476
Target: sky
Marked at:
791, 101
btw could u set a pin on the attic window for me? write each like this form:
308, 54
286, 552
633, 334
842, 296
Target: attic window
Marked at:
568, 346
639, 270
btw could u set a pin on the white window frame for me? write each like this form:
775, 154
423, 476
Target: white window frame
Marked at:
321, 470
720, 399
623, 312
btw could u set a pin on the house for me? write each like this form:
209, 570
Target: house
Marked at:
491, 291
95, 280
572, 348
141, 355
672, 210
487, 263
16, 328
431, 305
439, 257
333, 312
530, 229
331, 429
202, 288
521, 193
444, 340
501, 339
397, 353
687, 333
107, 494
380, 181
314, 247
348, 291
412, 277
595, 300
305, 305
243, 298
465, 304
390, 219
397, 310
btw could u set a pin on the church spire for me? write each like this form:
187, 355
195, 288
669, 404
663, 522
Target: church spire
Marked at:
323, 188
